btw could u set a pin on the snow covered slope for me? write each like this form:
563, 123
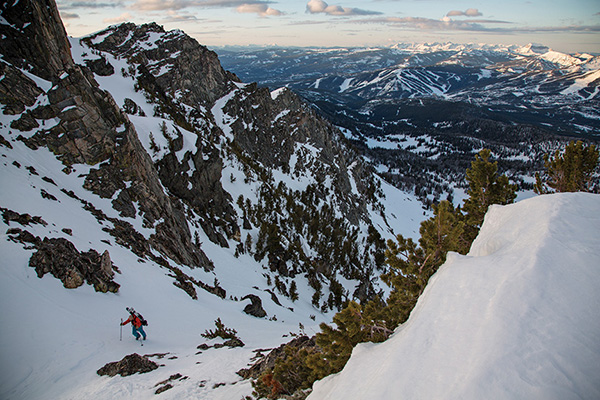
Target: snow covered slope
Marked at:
517, 318
80, 177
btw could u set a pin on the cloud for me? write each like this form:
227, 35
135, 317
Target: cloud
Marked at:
116, 20
557, 29
316, 6
319, 6
173, 16
90, 4
261, 9
159, 5
67, 15
444, 24
471, 12
226, 3
478, 25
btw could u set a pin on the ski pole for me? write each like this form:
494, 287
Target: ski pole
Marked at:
121, 333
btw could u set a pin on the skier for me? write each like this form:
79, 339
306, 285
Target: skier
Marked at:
136, 324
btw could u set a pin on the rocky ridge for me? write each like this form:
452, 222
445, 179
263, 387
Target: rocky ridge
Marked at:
81, 124
273, 137
166, 148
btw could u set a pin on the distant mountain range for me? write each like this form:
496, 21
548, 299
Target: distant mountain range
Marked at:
416, 107
532, 81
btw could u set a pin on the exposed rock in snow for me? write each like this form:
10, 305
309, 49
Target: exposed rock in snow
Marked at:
129, 365
255, 307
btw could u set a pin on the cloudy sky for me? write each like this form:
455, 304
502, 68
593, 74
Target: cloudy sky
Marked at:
564, 25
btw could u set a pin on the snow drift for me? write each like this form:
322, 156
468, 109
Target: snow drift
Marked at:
517, 318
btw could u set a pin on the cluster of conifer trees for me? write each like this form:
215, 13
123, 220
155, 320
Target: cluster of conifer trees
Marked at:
411, 265
290, 222
573, 170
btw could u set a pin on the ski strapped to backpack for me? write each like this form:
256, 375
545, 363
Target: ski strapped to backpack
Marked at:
137, 314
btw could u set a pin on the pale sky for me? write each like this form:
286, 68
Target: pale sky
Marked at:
564, 25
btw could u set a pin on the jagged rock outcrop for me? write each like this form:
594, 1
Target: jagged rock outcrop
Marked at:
91, 128
308, 194
194, 72
60, 258
270, 130
174, 71
34, 38
273, 138
129, 365
17, 91
265, 130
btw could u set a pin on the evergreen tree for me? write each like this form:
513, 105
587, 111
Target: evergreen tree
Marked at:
337, 343
570, 171
486, 187
293, 291
292, 372
411, 264
440, 234
248, 243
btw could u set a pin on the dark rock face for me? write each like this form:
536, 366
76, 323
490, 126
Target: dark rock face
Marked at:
278, 126
100, 67
241, 126
91, 129
235, 342
166, 384
195, 70
195, 78
255, 308
60, 258
129, 365
175, 70
35, 38
223, 124
23, 219
17, 91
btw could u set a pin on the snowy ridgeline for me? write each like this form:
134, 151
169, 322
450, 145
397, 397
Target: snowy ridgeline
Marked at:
517, 318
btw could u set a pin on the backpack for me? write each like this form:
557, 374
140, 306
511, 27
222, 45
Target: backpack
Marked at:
137, 314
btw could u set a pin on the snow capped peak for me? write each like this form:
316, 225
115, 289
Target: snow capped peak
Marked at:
428, 47
533, 48
561, 58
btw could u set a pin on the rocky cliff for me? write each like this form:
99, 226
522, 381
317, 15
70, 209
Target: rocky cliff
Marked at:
82, 124
213, 123
183, 150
